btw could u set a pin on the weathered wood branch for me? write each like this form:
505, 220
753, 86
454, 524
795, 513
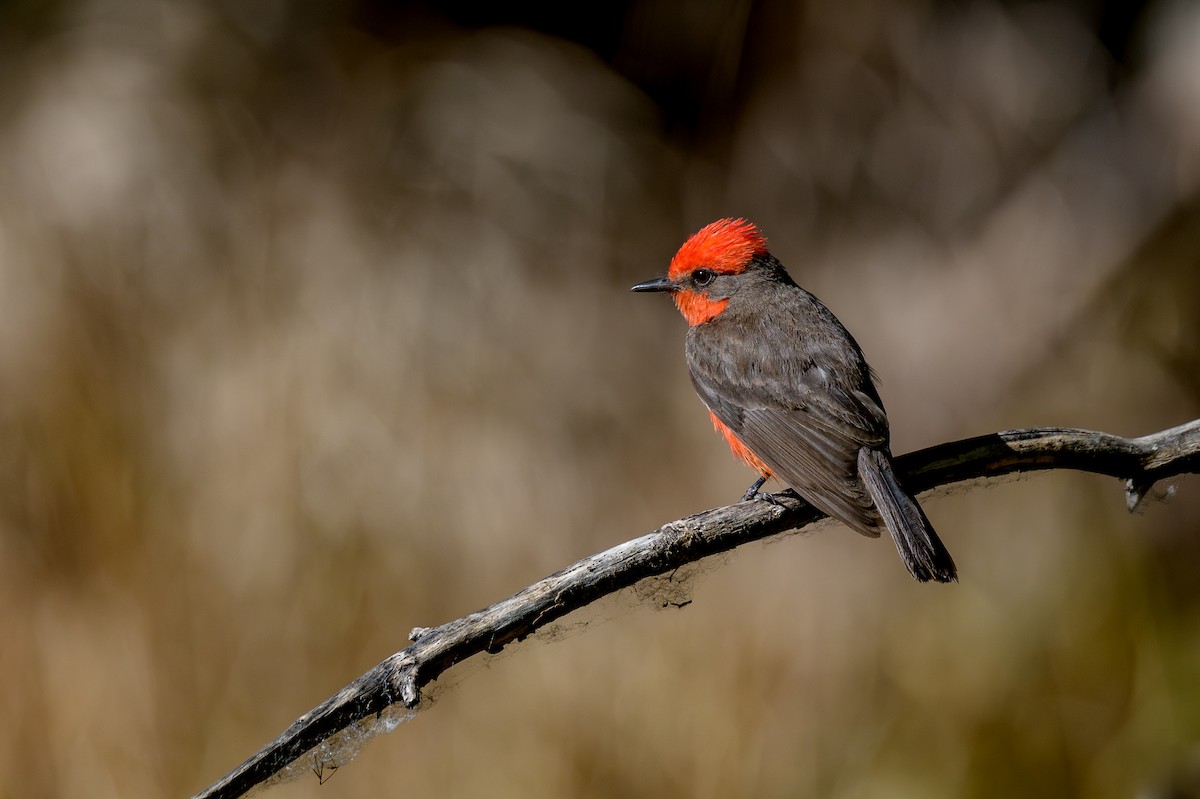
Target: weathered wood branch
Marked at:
401, 677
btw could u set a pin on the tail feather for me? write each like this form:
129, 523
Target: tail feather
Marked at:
919, 546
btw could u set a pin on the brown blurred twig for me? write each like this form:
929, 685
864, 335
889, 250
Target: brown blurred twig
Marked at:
401, 677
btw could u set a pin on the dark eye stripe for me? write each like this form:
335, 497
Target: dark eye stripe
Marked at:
702, 277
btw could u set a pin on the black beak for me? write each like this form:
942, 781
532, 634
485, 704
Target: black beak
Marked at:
657, 284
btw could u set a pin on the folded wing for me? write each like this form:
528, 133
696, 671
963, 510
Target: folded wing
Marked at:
799, 418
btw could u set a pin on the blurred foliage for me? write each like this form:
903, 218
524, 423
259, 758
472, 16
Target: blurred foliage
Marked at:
314, 327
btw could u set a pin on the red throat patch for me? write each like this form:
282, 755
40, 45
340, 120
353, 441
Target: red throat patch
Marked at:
697, 308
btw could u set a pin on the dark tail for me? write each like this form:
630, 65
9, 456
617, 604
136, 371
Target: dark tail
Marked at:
919, 546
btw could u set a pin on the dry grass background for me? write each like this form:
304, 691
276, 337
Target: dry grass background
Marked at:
314, 327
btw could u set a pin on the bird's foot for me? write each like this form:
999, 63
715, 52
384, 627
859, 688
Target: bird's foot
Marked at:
753, 493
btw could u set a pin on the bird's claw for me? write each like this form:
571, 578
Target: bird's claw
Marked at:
769, 498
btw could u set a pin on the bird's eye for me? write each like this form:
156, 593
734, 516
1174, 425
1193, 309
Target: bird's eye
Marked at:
702, 277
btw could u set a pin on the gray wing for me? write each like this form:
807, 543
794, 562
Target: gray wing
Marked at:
801, 410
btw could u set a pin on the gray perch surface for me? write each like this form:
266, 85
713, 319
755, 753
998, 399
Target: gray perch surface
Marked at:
400, 678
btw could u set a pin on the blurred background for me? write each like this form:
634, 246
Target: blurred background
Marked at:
315, 327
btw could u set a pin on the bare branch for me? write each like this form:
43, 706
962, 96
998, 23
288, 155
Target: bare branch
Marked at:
401, 677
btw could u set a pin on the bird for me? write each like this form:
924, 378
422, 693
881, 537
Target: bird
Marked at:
790, 390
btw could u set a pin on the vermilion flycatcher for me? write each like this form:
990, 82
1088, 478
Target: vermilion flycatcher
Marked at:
788, 387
